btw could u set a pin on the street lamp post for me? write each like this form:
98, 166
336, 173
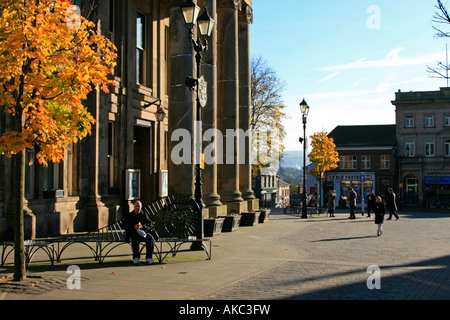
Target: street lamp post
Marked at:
205, 24
304, 108
159, 115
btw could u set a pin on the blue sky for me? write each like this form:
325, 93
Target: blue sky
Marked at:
347, 58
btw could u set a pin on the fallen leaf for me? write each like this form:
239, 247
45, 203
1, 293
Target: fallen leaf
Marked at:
113, 273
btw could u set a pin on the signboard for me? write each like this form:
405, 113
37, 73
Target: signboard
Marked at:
437, 180
132, 184
163, 183
202, 92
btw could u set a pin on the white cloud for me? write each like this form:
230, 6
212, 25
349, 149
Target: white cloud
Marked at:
331, 76
392, 59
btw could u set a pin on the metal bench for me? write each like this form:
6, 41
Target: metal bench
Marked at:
174, 219
31, 247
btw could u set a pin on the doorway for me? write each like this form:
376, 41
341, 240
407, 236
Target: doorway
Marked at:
143, 160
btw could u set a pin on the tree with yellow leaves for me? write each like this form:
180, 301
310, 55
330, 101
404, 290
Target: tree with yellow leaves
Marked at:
267, 113
50, 59
323, 155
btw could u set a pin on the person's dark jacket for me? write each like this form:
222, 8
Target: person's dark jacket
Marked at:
133, 219
380, 211
391, 201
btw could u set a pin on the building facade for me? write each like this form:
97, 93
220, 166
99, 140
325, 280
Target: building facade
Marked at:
368, 161
129, 154
423, 133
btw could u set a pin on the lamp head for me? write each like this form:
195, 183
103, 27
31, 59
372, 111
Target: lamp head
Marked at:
304, 108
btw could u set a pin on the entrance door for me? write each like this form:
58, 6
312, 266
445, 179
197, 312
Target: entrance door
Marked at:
411, 190
143, 161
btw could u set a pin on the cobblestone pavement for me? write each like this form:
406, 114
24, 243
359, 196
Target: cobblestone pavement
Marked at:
413, 257
288, 258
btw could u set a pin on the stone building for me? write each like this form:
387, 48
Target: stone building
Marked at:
128, 156
423, 134
368, 160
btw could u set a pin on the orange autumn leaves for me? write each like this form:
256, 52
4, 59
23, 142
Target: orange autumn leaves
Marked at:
323, 154
50, 59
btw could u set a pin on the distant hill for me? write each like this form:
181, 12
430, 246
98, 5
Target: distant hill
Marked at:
293, 159
291, 166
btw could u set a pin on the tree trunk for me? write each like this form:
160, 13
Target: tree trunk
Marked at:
19, 191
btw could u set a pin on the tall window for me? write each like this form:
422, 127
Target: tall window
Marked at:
348, 162
409, 122
410, 149
140, 48
365, 162
447, 120
429, 148
447, 147
111, 139
385, 161
429, 121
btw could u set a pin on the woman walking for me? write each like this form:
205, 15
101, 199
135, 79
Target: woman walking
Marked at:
379, 210
331, 202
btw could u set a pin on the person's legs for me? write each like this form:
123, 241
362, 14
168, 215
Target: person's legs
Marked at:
149, 243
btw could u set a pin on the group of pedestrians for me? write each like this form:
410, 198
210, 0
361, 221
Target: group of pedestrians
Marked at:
374, 203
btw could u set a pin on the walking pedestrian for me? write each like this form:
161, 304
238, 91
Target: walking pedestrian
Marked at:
391, 203
352, 202
371, 199
380, 210
331, 202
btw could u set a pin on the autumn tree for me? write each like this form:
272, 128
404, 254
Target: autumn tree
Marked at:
267, 113
323, 155
50, 59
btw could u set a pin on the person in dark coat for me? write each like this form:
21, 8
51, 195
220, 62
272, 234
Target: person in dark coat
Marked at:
331, 202
391, 203
352, 202
136, 225
380, 210
371, 199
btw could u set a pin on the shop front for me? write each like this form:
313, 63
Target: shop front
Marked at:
341, 183
437, 190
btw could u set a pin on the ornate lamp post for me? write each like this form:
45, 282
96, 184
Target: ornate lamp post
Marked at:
205, 24
159, 115
305, 110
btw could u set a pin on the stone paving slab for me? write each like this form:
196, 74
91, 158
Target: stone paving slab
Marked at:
288, 258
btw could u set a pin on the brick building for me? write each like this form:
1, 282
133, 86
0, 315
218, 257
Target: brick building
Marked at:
368, 160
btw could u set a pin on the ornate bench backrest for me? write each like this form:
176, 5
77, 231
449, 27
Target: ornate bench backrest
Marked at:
174, 216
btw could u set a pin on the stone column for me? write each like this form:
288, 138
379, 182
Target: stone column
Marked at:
94, 164
228, 102
212, 201
245, 169
181, 115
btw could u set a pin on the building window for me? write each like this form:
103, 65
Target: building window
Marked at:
409, 122
429, 148
348, 162
447, 147
429, 121
365, 162
111, 139
385, 161
140, 48
410, 149
447, 120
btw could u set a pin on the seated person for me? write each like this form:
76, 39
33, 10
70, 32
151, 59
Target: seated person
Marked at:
136, 227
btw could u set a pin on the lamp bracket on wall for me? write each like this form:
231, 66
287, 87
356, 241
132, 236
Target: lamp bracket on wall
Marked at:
152, 103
